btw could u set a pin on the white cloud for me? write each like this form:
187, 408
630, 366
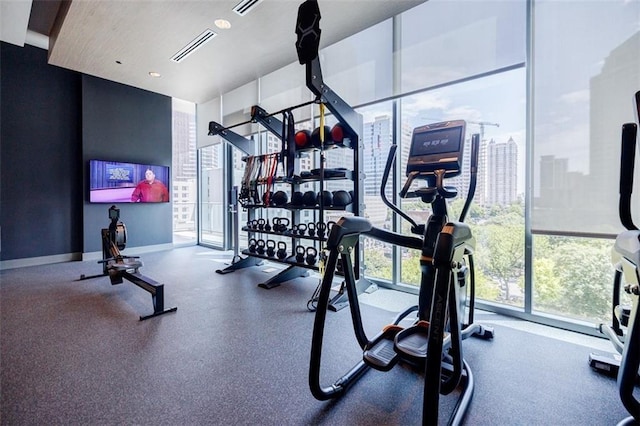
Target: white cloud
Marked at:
579, 96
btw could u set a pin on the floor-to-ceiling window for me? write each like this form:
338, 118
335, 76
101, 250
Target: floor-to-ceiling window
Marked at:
586, 67
497, 214
184, 172
546, 85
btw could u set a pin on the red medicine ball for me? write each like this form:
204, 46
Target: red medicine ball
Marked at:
302, 138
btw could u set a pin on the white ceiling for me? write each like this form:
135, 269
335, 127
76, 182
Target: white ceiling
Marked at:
89, 36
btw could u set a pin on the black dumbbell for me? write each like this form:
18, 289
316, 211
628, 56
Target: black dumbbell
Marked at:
312, 254
282, 250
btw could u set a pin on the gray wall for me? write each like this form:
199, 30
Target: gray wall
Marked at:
52, 121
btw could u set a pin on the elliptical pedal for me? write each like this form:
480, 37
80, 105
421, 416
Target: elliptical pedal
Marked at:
381, 354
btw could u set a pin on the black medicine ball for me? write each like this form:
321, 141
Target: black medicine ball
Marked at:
297, 199
341, 198
315, 136
280, 198
327, 198
309, 199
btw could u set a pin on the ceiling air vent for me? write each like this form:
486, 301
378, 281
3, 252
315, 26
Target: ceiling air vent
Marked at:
245, 6
194, 45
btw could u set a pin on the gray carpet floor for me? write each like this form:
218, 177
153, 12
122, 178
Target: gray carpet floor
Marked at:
74, 353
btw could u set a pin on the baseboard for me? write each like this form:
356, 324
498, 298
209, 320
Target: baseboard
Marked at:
41, 260
70, 257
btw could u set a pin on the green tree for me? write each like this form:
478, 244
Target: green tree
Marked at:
584, 275
501, 254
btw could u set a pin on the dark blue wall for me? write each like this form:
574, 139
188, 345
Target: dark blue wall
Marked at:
122, 123
52, 121
40, 143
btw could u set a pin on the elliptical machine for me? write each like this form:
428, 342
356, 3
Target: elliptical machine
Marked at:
433, 342
624, 331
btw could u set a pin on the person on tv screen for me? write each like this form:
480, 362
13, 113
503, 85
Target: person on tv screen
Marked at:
150, 190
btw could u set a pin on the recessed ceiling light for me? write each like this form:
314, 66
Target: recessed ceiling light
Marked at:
154, 74
223, 24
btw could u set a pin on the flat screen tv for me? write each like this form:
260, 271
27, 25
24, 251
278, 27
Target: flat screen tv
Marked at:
118, 182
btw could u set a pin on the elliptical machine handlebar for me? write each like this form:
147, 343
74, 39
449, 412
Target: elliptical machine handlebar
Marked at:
385, 177
627, 163
475, 149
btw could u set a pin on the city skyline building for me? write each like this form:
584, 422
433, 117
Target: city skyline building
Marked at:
502, 176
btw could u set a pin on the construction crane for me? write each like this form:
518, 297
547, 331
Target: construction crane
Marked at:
482, 124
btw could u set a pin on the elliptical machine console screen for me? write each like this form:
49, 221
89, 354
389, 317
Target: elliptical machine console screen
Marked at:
437, 146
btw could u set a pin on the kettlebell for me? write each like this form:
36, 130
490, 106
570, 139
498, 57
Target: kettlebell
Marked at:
321, 228
282, 250
283, 224
300, 251
254, 224
271, 248
311, 229
260, 246
267, 226
252, 245
309, 199
302, 228
261, 223
312, 253
339, 266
